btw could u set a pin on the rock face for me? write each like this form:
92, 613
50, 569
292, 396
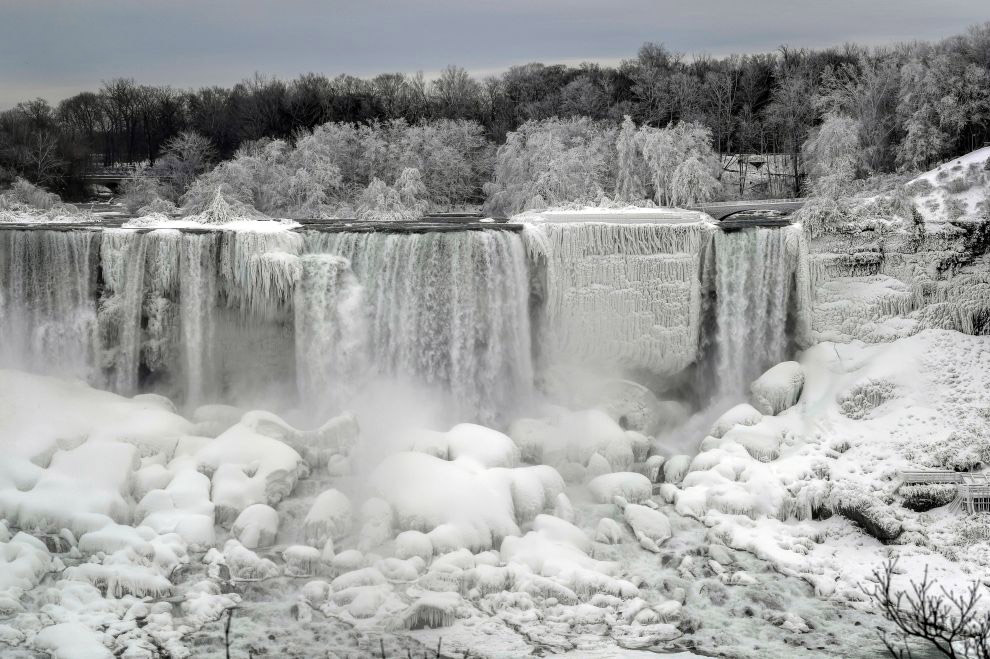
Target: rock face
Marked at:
777, 389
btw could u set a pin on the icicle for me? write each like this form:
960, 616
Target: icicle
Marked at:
259, 271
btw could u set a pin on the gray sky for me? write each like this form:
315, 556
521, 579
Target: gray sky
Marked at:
54, 48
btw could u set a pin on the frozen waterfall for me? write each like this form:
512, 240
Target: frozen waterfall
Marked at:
619, 296
445, 309
311, 316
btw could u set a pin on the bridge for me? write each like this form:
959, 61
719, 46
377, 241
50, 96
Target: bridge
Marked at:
724, 209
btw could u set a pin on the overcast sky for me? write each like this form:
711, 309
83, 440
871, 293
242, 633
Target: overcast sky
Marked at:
54, 48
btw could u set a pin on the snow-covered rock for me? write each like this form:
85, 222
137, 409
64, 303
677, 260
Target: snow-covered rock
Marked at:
629, 485
330, 516
743, 414
256, 526
778, 389
651, 527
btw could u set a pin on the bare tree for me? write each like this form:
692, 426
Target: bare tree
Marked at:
949, 622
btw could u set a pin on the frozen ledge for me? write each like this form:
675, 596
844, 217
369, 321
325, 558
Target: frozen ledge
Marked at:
618, 216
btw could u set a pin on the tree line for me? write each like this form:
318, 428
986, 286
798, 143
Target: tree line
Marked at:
911, 104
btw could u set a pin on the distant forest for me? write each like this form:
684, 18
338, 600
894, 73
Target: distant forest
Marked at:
913, 104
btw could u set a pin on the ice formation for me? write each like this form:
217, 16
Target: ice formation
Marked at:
626, 293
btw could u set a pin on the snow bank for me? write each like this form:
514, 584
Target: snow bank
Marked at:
248, 468
427, 492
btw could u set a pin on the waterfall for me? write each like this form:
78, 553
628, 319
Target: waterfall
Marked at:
253, 317
445, 309
198, 299
47, 306
331, 333
123, 253
759, 277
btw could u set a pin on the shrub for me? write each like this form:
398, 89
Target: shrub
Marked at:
140, 191
958, 185
919, 187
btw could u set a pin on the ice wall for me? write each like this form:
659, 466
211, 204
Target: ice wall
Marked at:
878, 286
619, 295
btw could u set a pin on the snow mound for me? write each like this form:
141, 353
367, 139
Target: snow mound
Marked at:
248, 468
743, 414
628, 485
330, 517
485, 446
256, 526
778, 389
426, 493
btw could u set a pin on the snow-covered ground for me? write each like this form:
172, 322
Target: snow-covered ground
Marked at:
955, 190
129, 527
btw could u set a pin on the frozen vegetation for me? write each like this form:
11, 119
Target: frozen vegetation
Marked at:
607, 431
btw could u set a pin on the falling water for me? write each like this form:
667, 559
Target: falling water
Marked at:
331, 333
47, 306
123, 258
222, 315
756, 271
198, 299
445, 309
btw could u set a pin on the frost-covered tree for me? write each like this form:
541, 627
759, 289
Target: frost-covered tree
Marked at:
832, 153
185, 157
381, 202
453, 157
552, 162
866, 92
693, 183
327, 169
412, 193
258, 177
629, 165
925, 140
667, 149
141, 190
